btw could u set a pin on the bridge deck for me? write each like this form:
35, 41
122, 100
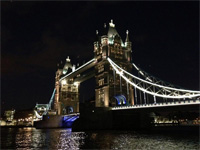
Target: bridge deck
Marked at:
167, 104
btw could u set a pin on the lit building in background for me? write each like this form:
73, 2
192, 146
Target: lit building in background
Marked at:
9, 118
9, 115
18, 118
25, 117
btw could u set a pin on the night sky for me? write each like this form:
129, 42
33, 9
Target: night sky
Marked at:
36, 36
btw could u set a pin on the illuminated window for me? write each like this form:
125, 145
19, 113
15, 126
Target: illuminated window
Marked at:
101, 82
64, 82
100, 68
101, 96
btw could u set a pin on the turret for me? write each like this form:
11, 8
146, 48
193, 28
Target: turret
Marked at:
128, 44
67, 65
110, 44
107, 83
96, 45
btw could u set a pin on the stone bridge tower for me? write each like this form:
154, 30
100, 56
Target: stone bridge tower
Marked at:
67, 91
108, 83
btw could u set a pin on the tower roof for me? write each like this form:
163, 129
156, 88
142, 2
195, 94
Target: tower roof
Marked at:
112, 32
127, 37
67, 64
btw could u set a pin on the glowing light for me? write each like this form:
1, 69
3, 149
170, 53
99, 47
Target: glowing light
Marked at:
37, 115
67, 59
135, 66
119, 72
51, 100
149, 79
121, 99
73, 68
64, 82
155, 105
64, 71
110, 41
122, 44
111, 24
76, 84
141, 72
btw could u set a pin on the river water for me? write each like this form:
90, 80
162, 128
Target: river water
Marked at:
31, 138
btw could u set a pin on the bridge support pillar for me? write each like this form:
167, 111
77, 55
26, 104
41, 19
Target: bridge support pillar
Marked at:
106, 96
131, 96
59, 108
102, 97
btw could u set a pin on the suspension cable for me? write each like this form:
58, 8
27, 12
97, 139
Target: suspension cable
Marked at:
161, 86
146, 91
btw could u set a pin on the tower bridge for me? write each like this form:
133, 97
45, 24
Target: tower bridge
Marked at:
116, 86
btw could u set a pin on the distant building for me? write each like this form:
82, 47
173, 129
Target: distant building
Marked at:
8, 118
9, 115
24, 117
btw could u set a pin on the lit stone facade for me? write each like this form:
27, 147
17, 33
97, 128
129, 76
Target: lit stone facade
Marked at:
67, 91
107, 81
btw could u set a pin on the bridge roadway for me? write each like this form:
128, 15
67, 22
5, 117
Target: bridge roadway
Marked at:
164, 104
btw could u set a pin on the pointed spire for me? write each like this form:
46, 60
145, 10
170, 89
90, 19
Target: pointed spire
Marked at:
105, 29
97, 36
68, 60
112, 24
104, 25
127, 37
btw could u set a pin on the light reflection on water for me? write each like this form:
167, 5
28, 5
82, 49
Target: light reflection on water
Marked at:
70, 140
142, 141
31, 138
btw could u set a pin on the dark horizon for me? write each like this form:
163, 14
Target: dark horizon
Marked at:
36, 36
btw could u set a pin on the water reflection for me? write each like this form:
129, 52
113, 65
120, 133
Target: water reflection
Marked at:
155, 141
69, 140
140, 141
9, 140
31, 138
